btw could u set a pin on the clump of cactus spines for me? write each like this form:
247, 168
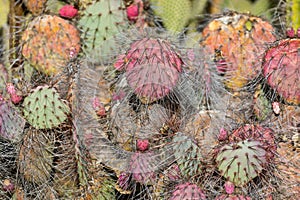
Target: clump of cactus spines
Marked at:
152, 68
11, 122
36, 155
143, 167
99, 23
44, 109
187, 191
281, 69
49, 43
238, 40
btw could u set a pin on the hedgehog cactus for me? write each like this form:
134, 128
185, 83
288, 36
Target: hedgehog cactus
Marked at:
232, 197
187, 191
281, 69
44, 109
238, 39
99, 23
49, 43
152, 68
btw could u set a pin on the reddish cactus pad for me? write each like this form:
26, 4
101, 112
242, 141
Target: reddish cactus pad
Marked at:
281, 68
152, 68
49, 43
187, 191
255, 132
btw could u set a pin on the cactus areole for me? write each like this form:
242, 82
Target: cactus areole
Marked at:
281, 69
152, 68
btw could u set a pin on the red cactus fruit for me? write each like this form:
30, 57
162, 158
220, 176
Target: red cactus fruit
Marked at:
142, 145
132, 12
68, 11
187, 191
281, 68
152, 68
238, 41
223, 134
229, 187
258, 133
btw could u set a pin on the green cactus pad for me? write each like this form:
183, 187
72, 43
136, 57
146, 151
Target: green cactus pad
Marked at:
174, 13
187, 154
44, 109
99, 23
241, 162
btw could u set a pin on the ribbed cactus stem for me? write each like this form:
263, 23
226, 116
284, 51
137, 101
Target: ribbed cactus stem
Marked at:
293, 13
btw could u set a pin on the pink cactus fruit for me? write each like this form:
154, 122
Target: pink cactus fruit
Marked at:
8, 186
15, 97
142, 166
290, 32
187, 191
229, 187
142, 144
276, 107
223, 135
152, 68
281, 68
68, 11
258, 133
232, 197
132, 12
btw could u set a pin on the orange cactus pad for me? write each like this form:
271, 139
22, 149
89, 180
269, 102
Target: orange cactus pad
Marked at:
239, 40
49, 43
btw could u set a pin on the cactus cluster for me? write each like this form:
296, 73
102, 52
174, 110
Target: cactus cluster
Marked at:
148, 99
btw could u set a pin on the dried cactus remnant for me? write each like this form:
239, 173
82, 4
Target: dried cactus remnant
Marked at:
49, 43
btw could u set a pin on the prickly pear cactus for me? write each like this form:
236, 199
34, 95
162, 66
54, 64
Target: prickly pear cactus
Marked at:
36, 155
49, 43
187, 191
11, 122
174, 13
241, 162
240, 41
281, 69
187, 155
100, 21
152, 68
44, 109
